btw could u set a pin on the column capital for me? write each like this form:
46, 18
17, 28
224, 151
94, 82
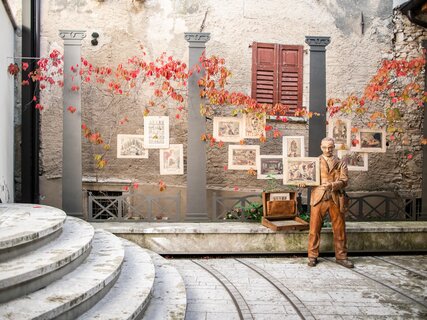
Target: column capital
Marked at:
72, 37
197, 39
317, 43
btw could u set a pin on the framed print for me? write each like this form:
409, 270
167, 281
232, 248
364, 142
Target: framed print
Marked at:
254, 125
340, 130
293, 146
242, 157
227, 129
371, 140
280, 196
156, 132
356, 161
131, 146
270, 167
172, 160
301, 170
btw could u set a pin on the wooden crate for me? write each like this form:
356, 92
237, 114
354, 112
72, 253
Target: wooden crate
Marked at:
280, 212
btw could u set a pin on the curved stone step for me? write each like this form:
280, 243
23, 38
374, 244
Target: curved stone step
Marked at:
76, 292
23, 224
131, 293
169, 298
30, 272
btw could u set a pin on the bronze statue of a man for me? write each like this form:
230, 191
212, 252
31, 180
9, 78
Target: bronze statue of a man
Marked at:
325, 198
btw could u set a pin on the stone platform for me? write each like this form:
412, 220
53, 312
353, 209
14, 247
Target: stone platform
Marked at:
253, 238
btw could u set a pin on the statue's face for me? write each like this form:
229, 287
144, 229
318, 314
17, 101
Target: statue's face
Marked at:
327, 148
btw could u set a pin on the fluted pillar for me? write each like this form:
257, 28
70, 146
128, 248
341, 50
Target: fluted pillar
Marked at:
71, 134
196, 149
317, 124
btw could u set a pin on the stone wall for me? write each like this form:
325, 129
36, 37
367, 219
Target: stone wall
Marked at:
352, 58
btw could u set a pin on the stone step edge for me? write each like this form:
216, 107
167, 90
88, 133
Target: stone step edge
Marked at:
169, 297
28, 235
76, 292
35, 274
136, 281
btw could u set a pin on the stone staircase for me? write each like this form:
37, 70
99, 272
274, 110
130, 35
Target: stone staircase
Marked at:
58, 267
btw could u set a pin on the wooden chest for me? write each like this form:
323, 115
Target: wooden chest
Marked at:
280, 212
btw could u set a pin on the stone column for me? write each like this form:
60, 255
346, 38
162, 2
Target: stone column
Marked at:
71, 134
317, 125
196, 149
423, 214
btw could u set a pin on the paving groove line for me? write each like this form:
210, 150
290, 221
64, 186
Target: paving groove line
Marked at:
420, 273
300, 308
240, 303
386, 284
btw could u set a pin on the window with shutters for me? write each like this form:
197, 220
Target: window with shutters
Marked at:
277, 74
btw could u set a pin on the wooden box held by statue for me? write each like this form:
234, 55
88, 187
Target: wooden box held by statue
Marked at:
280, 212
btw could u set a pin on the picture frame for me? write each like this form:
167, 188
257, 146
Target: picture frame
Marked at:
270, 167
356, 161
243, 157
156, 132
280, 196
131, 146
227, 129
371, 140
298, 170
172, 160
254, 125
339, 129
293, 146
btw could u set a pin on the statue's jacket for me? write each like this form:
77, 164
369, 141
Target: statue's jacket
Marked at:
337, 175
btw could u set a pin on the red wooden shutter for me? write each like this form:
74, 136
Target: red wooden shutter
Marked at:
290, 76
264, 72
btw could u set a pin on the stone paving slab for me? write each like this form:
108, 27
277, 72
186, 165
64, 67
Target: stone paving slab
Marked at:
387, 287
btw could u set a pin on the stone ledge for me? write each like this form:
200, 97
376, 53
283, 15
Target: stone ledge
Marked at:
251, 238
246, 227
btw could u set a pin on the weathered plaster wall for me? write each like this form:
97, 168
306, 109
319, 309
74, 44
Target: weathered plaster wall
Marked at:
352, 57
6, 108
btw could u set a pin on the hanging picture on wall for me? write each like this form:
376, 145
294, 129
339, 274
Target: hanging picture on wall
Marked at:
293, 146
301, 170
156, 132
172, 160
254, 125
227, 129
371, 140
340, 130
356, 161
131, 146
242, 157
270, 167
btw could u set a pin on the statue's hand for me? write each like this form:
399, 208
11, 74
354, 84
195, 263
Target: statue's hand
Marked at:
327, 186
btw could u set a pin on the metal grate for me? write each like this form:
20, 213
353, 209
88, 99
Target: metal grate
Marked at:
118, 206
221, 206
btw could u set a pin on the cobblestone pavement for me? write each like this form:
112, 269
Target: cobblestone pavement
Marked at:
379, 287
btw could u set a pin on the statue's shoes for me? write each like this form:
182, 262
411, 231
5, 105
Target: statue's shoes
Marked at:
345, 263
312, 262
